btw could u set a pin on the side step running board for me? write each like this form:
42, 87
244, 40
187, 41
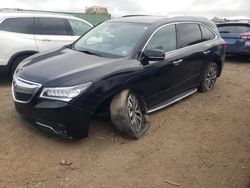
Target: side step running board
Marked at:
172, 100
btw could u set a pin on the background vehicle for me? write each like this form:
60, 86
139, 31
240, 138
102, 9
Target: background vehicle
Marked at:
24, 33
237, 37
112, 70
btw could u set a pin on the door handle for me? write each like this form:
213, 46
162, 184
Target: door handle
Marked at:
207, 52
178, 62
45, 40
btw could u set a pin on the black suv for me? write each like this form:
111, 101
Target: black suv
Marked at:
125, 67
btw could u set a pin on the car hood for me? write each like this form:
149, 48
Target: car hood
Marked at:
62, 65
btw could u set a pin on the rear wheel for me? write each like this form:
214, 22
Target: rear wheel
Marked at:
209, 78
16, 61
128, 113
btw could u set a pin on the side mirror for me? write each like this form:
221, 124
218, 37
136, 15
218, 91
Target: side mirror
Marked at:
154, 55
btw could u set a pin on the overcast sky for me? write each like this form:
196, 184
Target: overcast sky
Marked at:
208, 8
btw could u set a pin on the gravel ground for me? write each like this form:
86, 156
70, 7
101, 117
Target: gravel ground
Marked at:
202, 141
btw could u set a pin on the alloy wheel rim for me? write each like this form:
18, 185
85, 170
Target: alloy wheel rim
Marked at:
135, 113
211, 77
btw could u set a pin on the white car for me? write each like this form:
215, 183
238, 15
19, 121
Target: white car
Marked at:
24, 33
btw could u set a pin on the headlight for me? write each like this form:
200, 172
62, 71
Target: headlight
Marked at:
64, 93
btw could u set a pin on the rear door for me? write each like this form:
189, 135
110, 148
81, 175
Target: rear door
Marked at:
51, 32
191, 51
181, 68
231, 33
210, 47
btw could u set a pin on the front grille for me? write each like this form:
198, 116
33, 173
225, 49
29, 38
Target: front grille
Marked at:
24, 90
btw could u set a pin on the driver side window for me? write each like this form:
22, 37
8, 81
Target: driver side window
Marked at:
163, 39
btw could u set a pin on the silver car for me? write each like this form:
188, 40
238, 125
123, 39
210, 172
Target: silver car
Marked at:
24, 33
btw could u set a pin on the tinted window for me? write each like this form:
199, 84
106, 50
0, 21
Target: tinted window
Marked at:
206, 33
188, 34
53, 26
234, 28
164, 39
19, 25
78, 27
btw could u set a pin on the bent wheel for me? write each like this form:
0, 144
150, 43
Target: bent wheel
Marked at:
128, 113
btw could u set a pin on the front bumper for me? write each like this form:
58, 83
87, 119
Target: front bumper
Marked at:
56, 117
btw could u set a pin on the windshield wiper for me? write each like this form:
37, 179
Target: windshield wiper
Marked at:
88, 52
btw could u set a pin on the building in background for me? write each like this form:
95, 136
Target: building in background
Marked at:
92, 18
96, 10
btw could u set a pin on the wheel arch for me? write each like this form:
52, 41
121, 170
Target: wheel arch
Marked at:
103, 106
16, 55
219, 63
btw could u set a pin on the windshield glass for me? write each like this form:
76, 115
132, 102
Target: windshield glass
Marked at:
116, 39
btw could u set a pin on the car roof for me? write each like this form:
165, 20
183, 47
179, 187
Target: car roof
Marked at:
139, 19
155, 19
21, 13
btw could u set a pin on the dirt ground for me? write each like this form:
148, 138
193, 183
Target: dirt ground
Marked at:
202, 141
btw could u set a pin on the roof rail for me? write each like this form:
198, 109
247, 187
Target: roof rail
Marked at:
10, 9
132, 15
29, 10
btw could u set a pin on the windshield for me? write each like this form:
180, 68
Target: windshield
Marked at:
116, 39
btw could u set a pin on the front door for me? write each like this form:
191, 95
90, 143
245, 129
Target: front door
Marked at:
162, 76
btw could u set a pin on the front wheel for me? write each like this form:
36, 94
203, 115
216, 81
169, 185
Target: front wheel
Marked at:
209, 78
129, 115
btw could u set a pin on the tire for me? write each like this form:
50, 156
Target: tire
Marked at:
16, 61
209, 78
129, 115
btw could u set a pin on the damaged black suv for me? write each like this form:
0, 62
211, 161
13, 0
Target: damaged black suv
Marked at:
126, 67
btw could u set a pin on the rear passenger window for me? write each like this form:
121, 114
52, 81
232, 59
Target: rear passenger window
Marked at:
206, 33
78, 27
163, 39
18, 25
53, 26
188, 34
